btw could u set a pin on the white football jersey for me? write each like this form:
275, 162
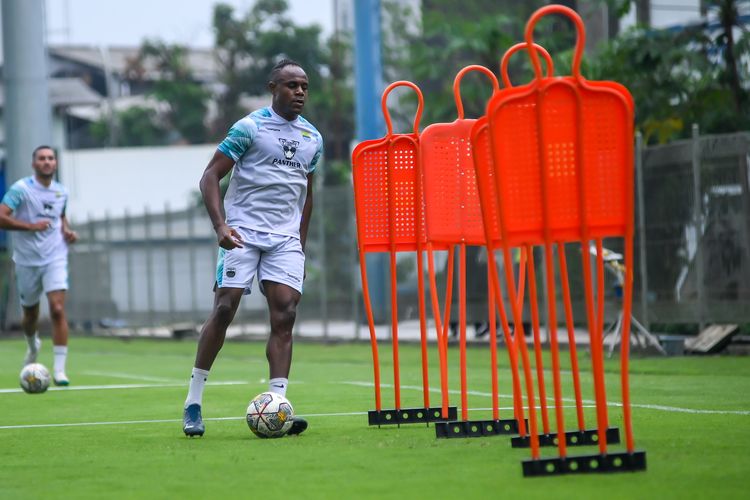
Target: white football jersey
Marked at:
273, 157
32, 202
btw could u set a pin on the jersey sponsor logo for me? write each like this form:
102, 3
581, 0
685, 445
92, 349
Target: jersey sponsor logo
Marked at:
289, 148
288, 163
48, 212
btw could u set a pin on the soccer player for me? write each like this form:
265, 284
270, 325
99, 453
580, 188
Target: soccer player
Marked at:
35, 207
261, 229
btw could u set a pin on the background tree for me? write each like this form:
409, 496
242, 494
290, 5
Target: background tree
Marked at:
185, 98
136, 126
678, 76
684, 76
249, 45
451, 36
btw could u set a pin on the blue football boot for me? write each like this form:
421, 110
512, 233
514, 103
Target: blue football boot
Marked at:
192, 422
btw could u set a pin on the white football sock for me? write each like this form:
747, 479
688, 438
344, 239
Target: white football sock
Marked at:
198, 379
32, 352
61, 353
278, 385
32, 341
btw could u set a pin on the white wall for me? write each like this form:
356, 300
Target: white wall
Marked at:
666, 13
669, 13
114, 180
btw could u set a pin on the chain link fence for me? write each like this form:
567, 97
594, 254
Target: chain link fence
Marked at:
693, 231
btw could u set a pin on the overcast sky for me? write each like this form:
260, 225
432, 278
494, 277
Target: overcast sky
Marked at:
128, 22
188, 22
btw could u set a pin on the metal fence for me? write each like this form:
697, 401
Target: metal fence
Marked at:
693, 230
692, 233
159, 269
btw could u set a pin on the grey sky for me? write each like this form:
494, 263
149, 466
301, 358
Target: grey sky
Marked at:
188, 22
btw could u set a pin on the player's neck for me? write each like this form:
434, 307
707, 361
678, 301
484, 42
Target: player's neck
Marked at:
44, 181
288, 116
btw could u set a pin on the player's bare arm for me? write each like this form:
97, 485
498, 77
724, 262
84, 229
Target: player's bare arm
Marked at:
69, 235
219, 166
306, 211
7, 221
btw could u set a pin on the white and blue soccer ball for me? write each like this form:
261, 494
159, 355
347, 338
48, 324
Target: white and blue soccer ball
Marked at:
34, 378
269, 415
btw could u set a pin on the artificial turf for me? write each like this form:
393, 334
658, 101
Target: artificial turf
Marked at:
691, 415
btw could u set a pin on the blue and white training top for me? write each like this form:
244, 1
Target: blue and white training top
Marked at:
273, 157
33, 202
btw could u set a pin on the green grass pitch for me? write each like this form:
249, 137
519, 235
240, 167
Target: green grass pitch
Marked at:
691, 454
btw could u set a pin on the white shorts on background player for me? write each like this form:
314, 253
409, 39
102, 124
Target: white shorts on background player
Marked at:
32, 281
273, 257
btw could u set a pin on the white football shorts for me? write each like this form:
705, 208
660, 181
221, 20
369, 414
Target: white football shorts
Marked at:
273, 257
31, 281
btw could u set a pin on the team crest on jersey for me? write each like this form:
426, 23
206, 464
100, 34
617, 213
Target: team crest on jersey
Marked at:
307, 136
289, 147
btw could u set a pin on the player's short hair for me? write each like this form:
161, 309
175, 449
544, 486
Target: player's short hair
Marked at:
274, 74
39, 148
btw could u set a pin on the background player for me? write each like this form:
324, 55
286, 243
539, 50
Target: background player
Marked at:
34, 207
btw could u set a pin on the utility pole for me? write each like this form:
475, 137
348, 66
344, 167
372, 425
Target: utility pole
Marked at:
643, 12
370, 122
28, 115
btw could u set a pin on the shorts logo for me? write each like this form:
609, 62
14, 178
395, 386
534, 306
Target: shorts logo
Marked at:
295, 278
231, 272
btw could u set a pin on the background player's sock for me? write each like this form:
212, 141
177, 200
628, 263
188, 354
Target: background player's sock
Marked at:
278, 385
32, 340
198, 379
61, 354
33, 350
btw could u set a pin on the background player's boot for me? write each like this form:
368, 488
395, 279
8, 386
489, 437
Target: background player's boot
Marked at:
192, 422
481, 329
299, 425
60, 379
32, 354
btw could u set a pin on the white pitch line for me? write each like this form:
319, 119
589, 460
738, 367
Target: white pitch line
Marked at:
130, 376
163, 421
121, 386
214, 419
338, 414
674, 409
677, 409
83, 424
